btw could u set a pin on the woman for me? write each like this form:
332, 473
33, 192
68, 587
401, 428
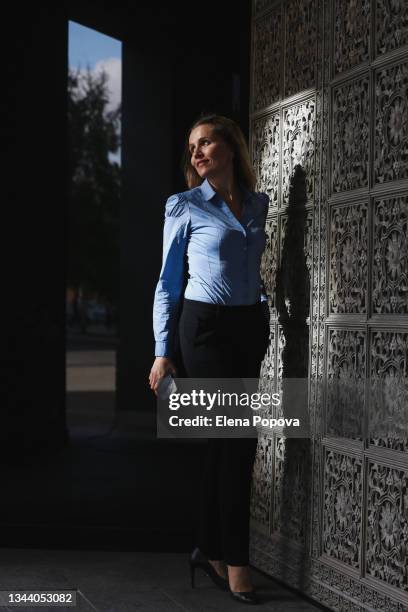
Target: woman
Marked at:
219, 224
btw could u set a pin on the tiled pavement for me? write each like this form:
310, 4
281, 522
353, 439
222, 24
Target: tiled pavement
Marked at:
128, 581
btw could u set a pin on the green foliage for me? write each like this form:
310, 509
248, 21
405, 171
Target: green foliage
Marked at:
94, 186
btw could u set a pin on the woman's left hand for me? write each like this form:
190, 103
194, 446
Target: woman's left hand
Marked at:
160, 367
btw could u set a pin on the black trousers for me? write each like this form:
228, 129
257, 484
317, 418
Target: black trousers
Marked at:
219, 341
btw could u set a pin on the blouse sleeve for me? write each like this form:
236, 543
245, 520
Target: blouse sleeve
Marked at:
170, 284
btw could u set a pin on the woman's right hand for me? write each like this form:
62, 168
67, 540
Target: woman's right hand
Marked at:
161, 366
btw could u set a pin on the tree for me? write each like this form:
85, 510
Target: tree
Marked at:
94, 186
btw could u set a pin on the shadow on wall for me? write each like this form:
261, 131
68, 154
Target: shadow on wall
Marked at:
293, 299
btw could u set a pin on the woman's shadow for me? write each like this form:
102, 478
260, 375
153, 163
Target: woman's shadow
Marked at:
293, 476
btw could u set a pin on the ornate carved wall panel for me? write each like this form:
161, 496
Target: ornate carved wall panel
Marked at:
350, 135
391, 123
348, 284
265, 155
269, 263
342, 508
301, 45
387, 525
391, 19
267, 53
388, 406
280, 349
261, 492
346, 374
291, 489
329, 93
390, 255
351, 34
307, 242
298, 146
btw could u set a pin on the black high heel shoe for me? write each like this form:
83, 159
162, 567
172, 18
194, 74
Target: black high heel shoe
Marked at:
248, 597
197, 559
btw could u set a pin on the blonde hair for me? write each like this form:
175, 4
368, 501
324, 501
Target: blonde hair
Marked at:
231, 133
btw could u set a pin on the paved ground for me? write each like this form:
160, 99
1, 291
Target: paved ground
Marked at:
132, 581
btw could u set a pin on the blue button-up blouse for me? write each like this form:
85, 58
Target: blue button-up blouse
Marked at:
223, 255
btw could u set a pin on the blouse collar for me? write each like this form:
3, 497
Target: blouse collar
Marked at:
208, 191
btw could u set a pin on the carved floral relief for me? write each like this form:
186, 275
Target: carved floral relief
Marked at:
348, 236
350, 135
265, 156
351, 33
391, 123
342, 508
301, 19
267, 57
298, 146
388, 406
345, 383
387, 525
390, 256
391, 20
291, 488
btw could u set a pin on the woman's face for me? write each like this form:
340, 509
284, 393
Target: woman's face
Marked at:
211, 156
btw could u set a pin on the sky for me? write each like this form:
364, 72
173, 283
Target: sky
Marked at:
89, 47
